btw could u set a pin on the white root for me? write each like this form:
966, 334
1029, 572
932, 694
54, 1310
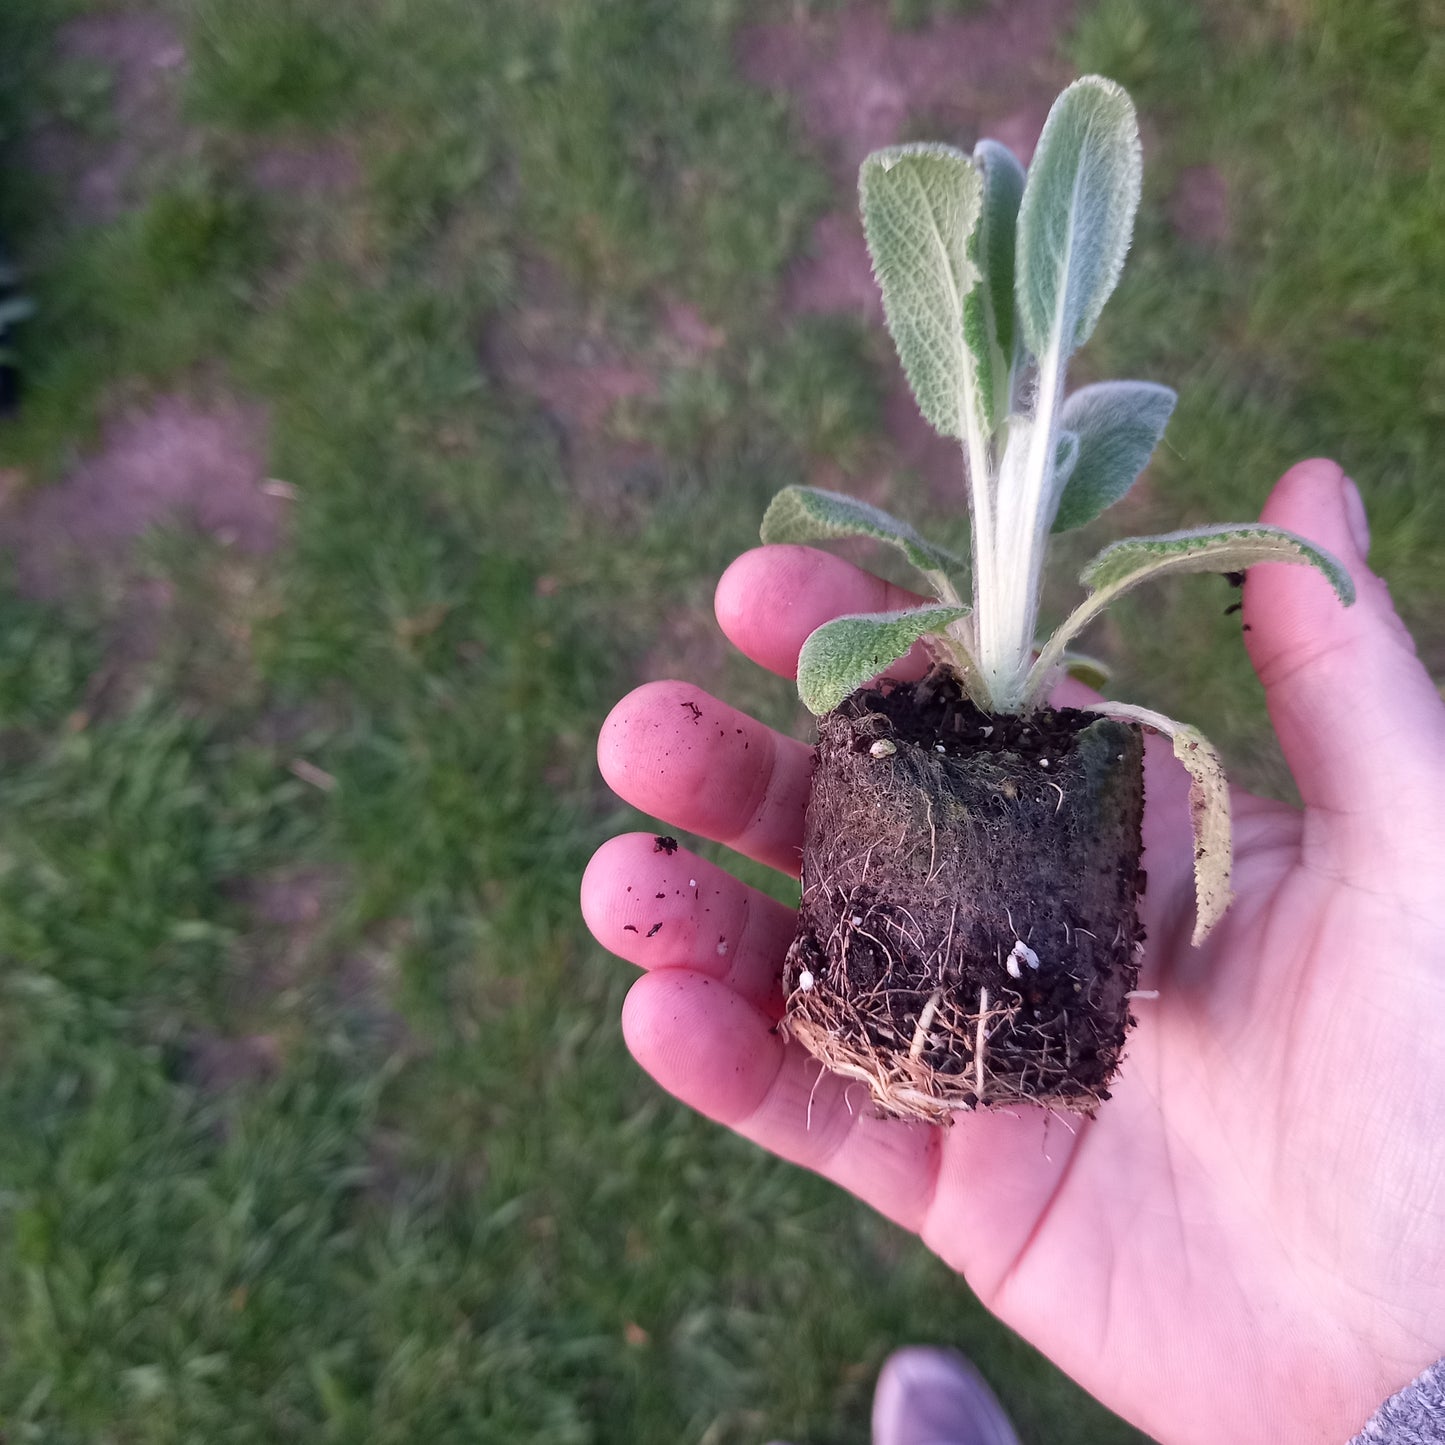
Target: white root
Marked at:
979, 1039
920, 1034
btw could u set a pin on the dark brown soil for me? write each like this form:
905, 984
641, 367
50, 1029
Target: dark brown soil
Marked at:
968, 931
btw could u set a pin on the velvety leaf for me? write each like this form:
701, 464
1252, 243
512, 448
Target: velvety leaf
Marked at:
1077, 215
840, 656
1125, 564
1208, 811
920, 206
1088, 670
810, 514
1121, 567
1118, 424
1066, 459
988, 310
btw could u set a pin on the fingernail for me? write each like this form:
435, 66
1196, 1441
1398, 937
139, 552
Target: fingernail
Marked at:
1358, 523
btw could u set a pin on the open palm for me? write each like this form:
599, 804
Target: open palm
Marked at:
1248, 1242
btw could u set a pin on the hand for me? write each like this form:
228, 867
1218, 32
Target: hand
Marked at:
1248, 1242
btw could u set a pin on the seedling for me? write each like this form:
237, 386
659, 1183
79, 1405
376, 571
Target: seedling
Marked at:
968, 930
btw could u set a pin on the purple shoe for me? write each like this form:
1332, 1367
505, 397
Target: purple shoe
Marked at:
935, 1397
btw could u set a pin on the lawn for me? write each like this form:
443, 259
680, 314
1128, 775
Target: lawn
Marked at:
402, 376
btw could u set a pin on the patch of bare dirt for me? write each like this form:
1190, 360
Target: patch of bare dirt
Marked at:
859, 83
364, 982
99, 165
289, 946
835, 274
1199, 207
551, 348
105, 161
174, 461
689, 331
314, 168
216, 1065
690, 644
298, 899
290, 911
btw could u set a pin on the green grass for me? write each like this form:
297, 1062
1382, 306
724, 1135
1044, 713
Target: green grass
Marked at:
455, 1211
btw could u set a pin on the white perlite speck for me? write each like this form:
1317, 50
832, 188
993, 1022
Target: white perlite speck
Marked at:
1021, 953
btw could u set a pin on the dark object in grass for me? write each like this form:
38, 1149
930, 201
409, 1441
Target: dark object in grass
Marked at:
968, 931
14, 307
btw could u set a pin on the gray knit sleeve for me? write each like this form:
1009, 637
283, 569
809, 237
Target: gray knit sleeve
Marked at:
1415, 1416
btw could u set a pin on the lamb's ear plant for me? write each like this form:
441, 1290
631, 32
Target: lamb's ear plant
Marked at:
969, 931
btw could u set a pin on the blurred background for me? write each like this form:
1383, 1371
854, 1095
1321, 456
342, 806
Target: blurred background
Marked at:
385, 386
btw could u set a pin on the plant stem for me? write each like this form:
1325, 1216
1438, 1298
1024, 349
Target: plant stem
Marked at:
983, 494
1022, 541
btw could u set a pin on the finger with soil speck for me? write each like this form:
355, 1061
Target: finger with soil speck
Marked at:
712, 909
746, 787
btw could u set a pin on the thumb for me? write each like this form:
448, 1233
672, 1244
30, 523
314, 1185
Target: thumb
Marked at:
1361, 723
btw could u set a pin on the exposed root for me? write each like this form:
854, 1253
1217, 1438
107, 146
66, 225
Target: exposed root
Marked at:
920, 1034
907, 1088
945, 1064
980, 1043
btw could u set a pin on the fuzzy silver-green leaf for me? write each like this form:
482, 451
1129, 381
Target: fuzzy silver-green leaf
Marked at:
1077, 214
1066, 458
840, 656
1118, 424
1209, 814
811, 514
1210, 549
1121, 567
1091, 671
988, 310
920, 206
